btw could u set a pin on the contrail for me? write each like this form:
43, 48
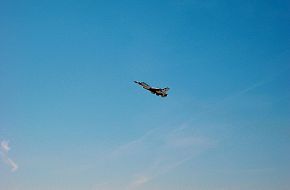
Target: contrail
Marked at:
124, 147
212, 108
156, 170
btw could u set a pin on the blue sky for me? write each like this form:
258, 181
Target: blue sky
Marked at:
71, 117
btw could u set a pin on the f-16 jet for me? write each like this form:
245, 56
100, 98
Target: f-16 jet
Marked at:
158, 91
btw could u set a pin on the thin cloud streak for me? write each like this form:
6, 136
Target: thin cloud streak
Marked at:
210, 109
158, 168
128, 146
4, 149
139, 182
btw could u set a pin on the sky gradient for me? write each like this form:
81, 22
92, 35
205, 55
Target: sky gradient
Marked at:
71, 117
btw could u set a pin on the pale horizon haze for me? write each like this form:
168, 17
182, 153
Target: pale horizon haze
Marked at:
71, 117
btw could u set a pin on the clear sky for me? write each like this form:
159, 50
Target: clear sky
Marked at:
71, 117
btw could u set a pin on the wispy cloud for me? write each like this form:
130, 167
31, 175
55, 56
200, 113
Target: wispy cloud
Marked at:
4, 149
139, 182
186, 148
5, 146
127, 147
174, 150
171, 146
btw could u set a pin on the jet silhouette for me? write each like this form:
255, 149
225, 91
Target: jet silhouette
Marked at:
158, 91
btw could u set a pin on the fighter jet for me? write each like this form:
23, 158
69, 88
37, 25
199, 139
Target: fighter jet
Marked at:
158, 91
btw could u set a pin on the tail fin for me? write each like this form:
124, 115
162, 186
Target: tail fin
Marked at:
166, 89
